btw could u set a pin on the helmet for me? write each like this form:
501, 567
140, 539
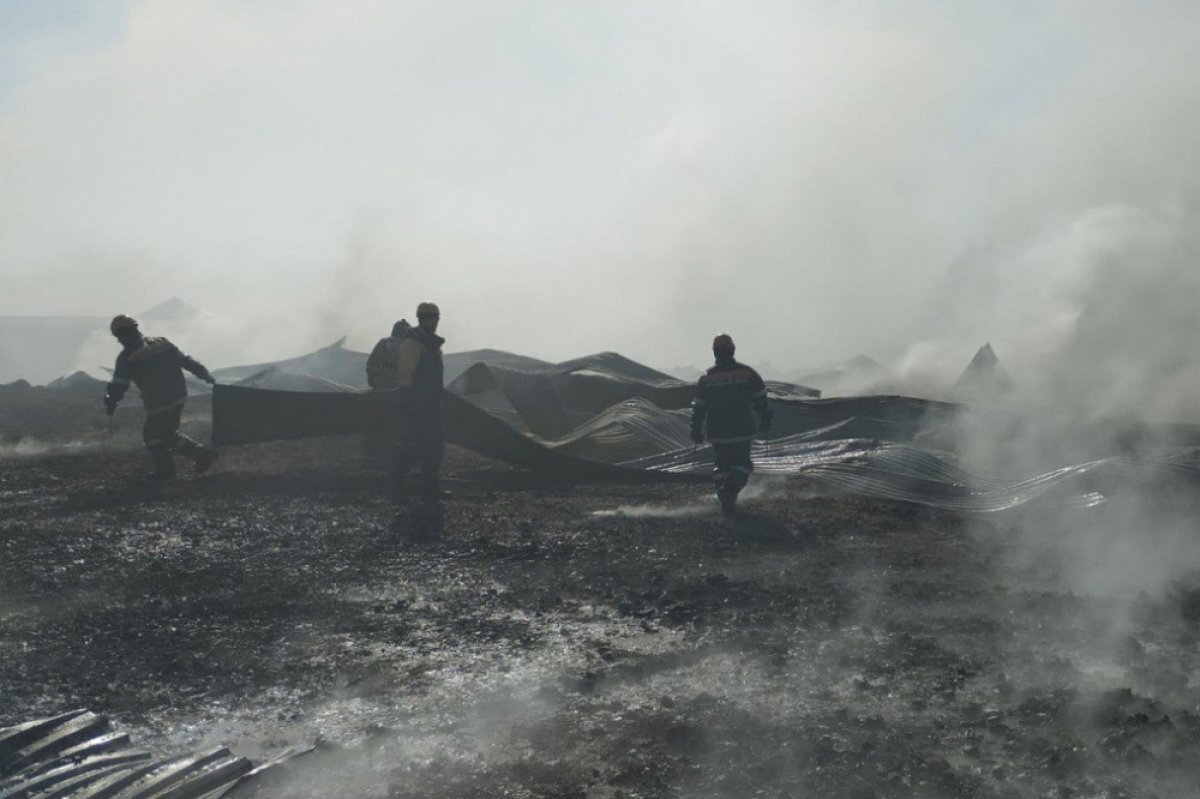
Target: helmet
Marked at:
427, 309
723, 342
122, 323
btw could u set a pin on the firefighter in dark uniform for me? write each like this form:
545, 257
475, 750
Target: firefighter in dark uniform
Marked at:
728, 397
411, 359
155, 366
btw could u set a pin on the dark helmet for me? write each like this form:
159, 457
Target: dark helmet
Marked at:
723, 343
122, 324
427, 309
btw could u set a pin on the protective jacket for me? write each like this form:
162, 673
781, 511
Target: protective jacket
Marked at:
156, 366
727, 398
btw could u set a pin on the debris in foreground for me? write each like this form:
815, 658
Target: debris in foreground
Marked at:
77, 755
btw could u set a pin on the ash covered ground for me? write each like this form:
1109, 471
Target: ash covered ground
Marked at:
576, 639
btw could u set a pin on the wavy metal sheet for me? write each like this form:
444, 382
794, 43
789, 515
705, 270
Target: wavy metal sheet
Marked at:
76, 756
865, 445
936, 479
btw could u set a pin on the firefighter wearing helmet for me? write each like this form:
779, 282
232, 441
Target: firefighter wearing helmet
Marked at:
155, 366
411, 359
728, 398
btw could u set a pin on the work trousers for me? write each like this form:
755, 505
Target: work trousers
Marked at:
417, 440
160, 433
733, 466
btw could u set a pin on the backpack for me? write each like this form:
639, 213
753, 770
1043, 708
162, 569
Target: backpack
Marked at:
381, 364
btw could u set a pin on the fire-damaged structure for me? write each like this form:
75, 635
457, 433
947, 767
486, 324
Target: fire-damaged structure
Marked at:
78, 755
571, 636
607, 417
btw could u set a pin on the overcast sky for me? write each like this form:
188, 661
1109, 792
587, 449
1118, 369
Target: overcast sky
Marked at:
904, 179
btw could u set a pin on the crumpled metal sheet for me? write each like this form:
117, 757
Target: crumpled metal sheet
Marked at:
907, 473
872, 454
76, 755
248, 415
631, 429
555, 401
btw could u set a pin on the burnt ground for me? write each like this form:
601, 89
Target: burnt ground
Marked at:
568, 639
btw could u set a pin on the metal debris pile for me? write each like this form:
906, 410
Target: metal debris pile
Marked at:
78, 755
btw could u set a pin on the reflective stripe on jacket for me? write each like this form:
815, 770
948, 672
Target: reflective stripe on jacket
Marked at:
727, 398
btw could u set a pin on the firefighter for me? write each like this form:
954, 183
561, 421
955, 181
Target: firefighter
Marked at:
411, 359
156, 366
728, 397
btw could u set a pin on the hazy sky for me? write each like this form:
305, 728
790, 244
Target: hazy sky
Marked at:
905, 179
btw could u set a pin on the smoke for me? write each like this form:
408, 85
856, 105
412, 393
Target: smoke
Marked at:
1100, 355
1094, 316
219, 339
818, 180
30, 447
1136, 547
1080, 274
1088, 312
657, 511
463, 718
1128, 350
812, 165
766, 486
760, 487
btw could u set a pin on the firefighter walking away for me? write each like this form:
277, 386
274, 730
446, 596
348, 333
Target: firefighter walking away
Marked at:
728, 398
155, 366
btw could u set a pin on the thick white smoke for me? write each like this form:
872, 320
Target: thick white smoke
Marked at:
800, 175
1096, 316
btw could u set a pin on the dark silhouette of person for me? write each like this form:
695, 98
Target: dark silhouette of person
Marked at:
411, 359
728, 397
155, 366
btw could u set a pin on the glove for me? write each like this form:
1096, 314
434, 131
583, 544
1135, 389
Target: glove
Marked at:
212, 381
110, 405
697, 435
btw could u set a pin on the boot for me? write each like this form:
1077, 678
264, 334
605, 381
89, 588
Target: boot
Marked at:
727, 496
203, 458
728, 491
164, 465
